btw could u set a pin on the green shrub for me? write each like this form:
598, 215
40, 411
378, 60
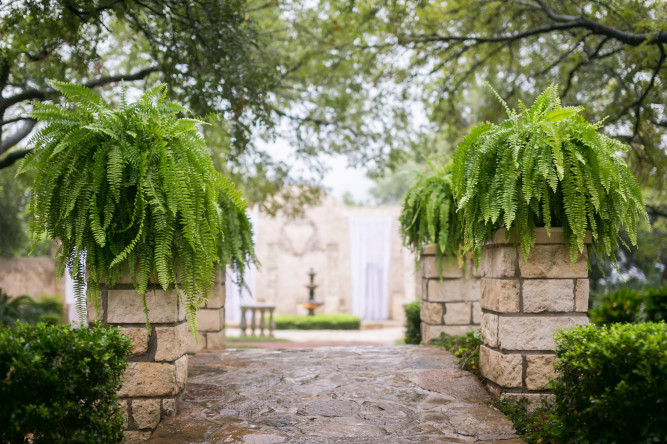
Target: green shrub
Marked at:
612, 385
318, 322
539, 425
464, 347
413, 332
622, 306
655, 304
59, 384
49, 309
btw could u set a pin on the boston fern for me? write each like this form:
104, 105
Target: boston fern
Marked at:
129, 187
429, 216
237, 248
546, 166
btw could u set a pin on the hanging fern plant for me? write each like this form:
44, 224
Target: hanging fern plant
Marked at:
237, 248
546, 166
130, 187
429, 217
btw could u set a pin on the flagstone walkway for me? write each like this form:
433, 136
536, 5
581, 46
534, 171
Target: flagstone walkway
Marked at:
351, 394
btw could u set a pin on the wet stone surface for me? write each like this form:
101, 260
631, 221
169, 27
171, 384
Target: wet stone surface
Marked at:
352, 394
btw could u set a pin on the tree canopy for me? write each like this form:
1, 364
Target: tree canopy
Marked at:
209, 52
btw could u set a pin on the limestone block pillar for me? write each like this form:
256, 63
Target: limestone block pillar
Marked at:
211, 318
449, 305
158, 367
523, 304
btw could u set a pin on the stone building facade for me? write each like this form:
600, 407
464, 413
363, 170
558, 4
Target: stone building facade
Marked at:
321, 239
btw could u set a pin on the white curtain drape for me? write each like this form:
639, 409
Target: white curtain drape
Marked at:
370, 247
235, 295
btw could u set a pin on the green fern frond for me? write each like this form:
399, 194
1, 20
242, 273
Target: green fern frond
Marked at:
571, 176
133, 188
429, 217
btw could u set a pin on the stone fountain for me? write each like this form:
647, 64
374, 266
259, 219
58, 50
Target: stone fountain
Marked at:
311, 304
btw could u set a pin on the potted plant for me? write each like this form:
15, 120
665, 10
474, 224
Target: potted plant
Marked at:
429, 217
132, 188
432, 230
545, 166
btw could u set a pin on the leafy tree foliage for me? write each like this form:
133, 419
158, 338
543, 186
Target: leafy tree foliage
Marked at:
372, 61
209, 52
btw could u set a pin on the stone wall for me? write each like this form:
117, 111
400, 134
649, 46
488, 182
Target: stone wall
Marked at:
31, 276
449, 303
158, 368
211, 319
288, 248
524, 303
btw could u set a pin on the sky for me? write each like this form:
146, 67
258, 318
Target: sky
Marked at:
340, 179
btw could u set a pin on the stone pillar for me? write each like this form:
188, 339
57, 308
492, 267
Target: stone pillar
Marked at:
523, 304
449, 304
158, 367
211, 318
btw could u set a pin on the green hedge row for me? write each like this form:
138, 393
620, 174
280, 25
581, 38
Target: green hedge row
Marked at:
611, 388
318, 322
59, 384
612, 384
49, 309
625, 305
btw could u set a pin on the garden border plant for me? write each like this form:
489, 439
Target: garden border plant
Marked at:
132, 188
59, 384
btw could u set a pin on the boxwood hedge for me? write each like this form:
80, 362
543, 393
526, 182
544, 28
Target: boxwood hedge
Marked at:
59, 384
612, 386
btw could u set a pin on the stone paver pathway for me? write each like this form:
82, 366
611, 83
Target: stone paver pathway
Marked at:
352, 394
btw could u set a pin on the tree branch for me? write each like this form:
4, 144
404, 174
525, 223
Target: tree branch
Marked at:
12, 157
562, 22
38, 94
19, 135
656, 211
629, 38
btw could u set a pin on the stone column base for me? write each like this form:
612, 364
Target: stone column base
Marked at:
211, 319
158, 367
524, 303
449, 304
